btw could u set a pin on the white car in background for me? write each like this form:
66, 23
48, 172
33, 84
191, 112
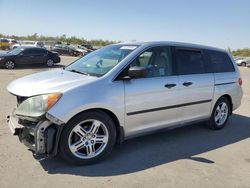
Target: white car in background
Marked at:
243, 61
81, 49
29, 43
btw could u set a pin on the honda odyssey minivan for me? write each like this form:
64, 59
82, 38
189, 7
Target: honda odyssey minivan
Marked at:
121, 91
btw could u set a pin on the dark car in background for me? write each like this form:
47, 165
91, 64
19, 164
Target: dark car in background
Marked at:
66, 50
89, 47
28, 55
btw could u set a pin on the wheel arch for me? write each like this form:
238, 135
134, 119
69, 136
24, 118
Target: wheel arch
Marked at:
119, 128
10, 59
229, 98
243, 63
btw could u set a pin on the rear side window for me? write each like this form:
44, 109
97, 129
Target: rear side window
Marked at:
189, 62
28, 52
220, 62
39, 52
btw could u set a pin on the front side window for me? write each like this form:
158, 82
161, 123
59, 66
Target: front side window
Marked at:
189, 62
15, 51
157, 61
101, 61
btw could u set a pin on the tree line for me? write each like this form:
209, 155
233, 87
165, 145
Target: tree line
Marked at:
63, 38
245, 52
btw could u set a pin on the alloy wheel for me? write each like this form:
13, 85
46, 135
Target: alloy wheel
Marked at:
50, 63
221, 113
9, 65
88, 139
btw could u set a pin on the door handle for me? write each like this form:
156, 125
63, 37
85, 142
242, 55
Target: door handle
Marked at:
170, 85
187, 84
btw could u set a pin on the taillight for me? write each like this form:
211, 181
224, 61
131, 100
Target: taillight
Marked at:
240, 81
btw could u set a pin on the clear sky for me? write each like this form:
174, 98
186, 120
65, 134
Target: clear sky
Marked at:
220, 23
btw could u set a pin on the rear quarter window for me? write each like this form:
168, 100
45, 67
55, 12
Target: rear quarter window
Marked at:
220, 62
39, 52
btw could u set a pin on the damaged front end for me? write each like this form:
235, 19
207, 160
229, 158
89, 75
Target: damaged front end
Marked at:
36, 128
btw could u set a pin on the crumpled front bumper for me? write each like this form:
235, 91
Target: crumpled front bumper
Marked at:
41, 137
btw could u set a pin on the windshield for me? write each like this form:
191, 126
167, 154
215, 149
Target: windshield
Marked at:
101, 61
16, 51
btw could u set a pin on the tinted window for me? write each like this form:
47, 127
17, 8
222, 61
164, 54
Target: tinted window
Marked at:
220, 62
189, 62
39, 52
28, 52
158, 61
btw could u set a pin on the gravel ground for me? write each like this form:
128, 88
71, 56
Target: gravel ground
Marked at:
192, 156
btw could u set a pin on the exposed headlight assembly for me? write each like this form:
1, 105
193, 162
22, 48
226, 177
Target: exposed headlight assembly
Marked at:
37, 106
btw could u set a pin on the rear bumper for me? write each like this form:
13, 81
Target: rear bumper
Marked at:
41, 137
57, 59
236, 99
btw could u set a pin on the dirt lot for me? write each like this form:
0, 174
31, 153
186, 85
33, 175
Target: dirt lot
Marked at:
191, 156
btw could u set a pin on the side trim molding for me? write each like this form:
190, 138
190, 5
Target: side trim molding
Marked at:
226, 83
168, 107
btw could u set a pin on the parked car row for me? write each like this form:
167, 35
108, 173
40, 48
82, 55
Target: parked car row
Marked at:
28, 55
59, 47
72, 50
68, 50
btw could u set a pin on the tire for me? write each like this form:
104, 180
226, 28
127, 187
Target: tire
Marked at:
9, 64
81, 139
243, 64
214, 122
50, 63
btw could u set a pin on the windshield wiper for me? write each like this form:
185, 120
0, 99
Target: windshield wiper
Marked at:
76, 71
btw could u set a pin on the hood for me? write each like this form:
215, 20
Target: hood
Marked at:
47, 82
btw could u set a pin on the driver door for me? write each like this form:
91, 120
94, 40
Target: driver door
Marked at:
26, 57
150, 102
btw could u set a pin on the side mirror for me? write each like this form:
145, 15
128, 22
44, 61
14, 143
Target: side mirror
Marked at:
137, 72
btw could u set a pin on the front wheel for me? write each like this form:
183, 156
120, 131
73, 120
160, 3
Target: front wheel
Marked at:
9, 65
87, 138
220, 114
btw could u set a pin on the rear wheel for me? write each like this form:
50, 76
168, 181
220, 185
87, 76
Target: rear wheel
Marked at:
243, 64
87, 138
220, 114
9, 65
50, 63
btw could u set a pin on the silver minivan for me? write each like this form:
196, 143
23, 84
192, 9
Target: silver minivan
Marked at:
122, 91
